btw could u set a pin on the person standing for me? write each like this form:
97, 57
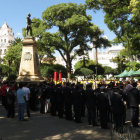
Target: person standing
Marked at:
3, 94
91, 105
21, 99
77, 103
10, 97
103, 106
27, 92
133, 101
118, 109
68, 101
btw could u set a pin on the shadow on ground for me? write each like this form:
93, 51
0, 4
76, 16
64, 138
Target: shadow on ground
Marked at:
46, 127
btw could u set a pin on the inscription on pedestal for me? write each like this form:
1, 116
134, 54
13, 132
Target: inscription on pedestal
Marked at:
27, 56
29, 70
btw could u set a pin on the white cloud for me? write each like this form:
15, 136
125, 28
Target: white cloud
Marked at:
18, 34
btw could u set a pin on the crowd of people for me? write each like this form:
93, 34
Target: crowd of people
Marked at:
106, 103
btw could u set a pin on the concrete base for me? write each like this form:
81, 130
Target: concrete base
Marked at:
29, 66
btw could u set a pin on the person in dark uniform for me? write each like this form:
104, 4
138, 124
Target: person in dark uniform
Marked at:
109, 92
118, 109
68, 102
60, 101
124, 97
53, 100
77, 103
103, 105
34, 96
10, 97
91, 105
43, 97
133, 101
83, 107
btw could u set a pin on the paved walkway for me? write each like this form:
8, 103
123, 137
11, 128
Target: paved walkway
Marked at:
46, 127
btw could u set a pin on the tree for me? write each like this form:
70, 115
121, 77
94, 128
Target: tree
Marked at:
47, 70
122, 17
80, 64
13, 56
74, 29
121, 61
109, 70
83, 72
90, 67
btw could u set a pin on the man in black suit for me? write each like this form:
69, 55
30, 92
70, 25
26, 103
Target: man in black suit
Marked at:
133, 101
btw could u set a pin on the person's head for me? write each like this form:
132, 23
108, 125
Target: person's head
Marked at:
89, 86
134, 84
29, 15
138, 82
102, 88
116, 89
20, 85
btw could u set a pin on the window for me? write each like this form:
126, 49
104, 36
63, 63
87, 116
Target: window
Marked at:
5, 40
1, 40
5, 51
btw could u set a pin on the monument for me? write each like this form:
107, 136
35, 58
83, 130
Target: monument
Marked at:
29, 70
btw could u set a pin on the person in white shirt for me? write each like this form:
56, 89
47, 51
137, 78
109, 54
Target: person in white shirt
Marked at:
27, 93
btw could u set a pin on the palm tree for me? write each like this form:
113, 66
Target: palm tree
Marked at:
99, 41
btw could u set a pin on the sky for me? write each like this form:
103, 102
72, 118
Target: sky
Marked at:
14, 12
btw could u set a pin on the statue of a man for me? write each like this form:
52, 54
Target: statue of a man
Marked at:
29, 28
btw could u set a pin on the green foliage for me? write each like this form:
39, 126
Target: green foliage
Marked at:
74, 29
4, 70
13, 56
79, 64
123, 18
83, 72
125, 64
90, 65
133, 65
121, 63
47, 70
11, 77
108, 70
100, 69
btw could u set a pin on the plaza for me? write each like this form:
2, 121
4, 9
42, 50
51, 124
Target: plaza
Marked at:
46, 127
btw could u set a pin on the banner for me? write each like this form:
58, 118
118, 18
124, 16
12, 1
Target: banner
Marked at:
60, 77
55, 76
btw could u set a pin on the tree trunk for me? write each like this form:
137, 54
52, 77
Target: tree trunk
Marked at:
68, 68
96, 58
96, 55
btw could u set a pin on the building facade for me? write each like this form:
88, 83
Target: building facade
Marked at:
105, 57
6, 38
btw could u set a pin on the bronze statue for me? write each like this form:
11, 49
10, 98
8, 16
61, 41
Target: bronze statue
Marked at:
29, 28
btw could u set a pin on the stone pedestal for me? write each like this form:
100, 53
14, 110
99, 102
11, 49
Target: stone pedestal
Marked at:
29, 70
